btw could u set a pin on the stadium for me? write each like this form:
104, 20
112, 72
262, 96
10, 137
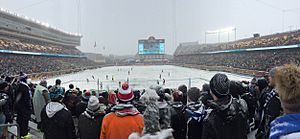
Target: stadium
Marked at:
34, 47
60, 85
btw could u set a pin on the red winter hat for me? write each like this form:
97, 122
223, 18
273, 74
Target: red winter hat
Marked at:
125, 93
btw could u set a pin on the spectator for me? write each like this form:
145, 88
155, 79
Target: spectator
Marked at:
178, 120
40, 99
270, 107
82, 105
124, 118
151, 115
56, 119
3, 100
23, 105
287, 80
195, 113
227, 120
90, 121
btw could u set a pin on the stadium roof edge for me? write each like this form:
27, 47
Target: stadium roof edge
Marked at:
37, 22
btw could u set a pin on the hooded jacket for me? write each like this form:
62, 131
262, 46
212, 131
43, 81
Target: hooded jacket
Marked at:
286, 127
90, 122
121, 122
57, 122
227, 120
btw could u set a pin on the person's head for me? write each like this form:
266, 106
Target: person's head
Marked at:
253, 82
262, 83
205, 88
287, 80
57, 95
193, 94
219, 86
57, 82
125, 94
71, 86
94, 105
236, 89
112, 97
23, 77
183, 89
43, 83
271, 76
4, 86
86, 96
177, 95
149, 96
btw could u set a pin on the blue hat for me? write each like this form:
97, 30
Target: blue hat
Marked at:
57, 93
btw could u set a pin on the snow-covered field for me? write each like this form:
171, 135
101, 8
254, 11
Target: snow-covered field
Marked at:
140, 77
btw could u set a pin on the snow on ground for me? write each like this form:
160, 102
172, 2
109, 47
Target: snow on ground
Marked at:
140, 77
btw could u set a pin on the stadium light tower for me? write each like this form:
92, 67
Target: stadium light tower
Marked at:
219, 31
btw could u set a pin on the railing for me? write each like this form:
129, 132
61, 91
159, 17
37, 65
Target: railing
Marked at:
11, 125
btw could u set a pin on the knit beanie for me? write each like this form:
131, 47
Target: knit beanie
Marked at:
125, 93
93, 103
86, 95
219, 85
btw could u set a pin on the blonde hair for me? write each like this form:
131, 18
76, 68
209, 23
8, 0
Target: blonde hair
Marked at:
287, 80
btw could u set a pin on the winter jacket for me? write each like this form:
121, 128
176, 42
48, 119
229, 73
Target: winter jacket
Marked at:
164, 114
80, 108
286, 127
195, 114
270, 110
178, 120
57, 122
71, 101
4, 108
39, 101
164, 134
89, 124
23, 100
119, 124
227, 120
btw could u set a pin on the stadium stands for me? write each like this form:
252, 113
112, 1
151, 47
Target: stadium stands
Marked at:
36, 48
252, 60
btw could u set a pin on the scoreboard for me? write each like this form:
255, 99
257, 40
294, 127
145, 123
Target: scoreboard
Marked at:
151, 46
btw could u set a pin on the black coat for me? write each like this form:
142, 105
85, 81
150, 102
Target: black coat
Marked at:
271, 108
80, 108
178, 120
23, 100
227, 121
60, 126
89, 125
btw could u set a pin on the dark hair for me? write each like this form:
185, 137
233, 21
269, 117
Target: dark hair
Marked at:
194, 94
236, 89
71, 86
182, 88
57, 82
3, 85
205, 88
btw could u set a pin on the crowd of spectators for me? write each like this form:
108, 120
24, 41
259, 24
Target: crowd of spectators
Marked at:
17, 45
252, 60
280, 39
256, 60
222, 109
11, 64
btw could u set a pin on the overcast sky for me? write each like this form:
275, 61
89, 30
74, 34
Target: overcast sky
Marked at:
117, 25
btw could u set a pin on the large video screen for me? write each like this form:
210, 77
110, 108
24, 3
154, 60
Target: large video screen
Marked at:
151, 46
